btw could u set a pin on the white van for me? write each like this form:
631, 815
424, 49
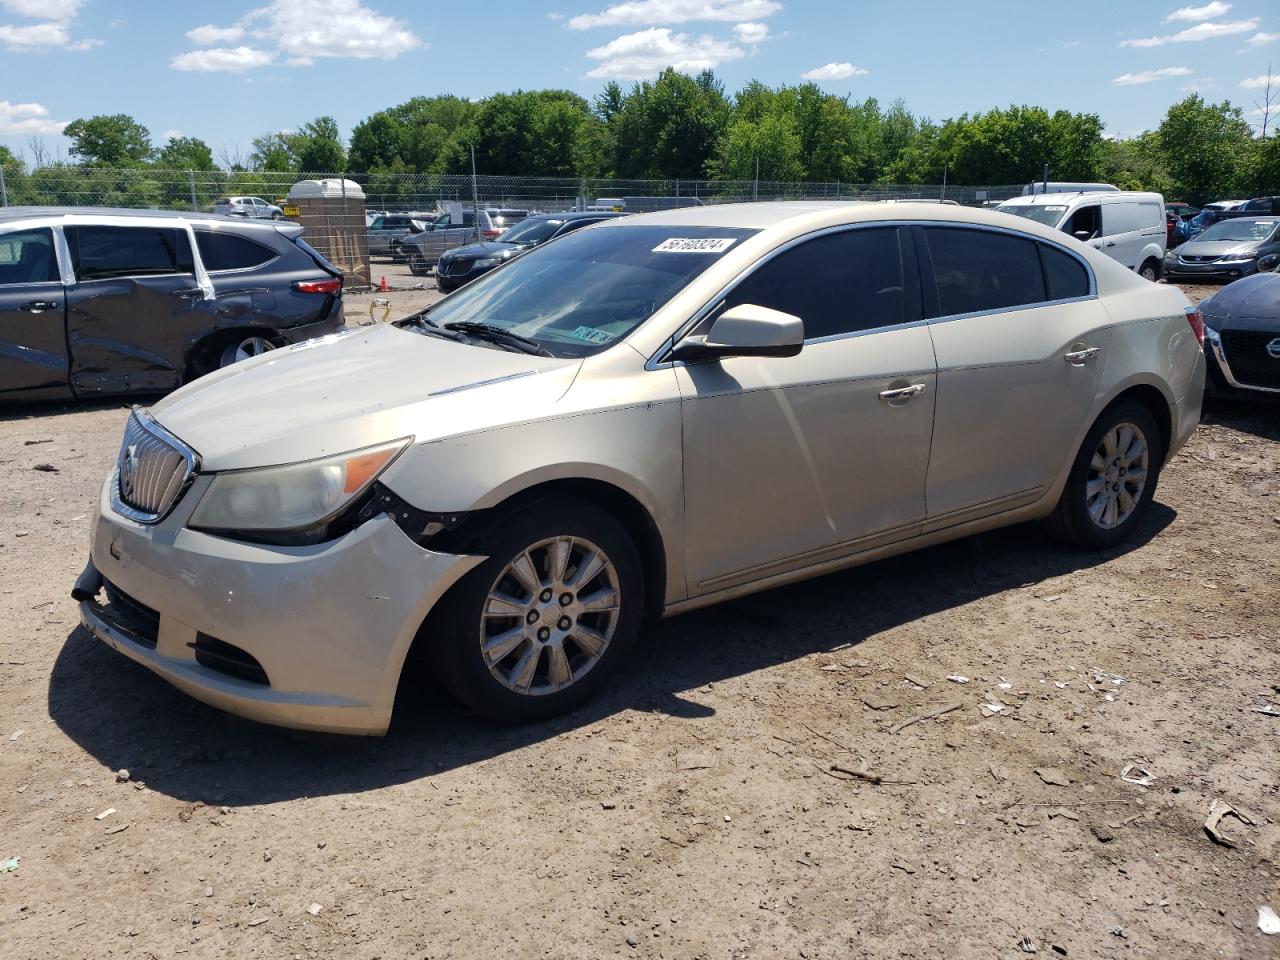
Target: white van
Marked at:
1126, 226
1061, 187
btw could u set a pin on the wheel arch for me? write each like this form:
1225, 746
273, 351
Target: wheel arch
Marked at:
211, 343
1156, 403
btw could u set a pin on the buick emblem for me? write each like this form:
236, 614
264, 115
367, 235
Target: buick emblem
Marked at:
1273, 349
128, 467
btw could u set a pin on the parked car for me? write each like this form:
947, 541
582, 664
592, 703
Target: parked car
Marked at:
1210, 214
1129, 227
1180, 209
1227, 250
253, 207
1258, 206
98, 302
388, 230
464, 264
453, 230
649, 416
1242, 334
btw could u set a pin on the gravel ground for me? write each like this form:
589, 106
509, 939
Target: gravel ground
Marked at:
692, 811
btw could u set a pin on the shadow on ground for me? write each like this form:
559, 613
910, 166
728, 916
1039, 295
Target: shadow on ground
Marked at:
1261, 418
124, 716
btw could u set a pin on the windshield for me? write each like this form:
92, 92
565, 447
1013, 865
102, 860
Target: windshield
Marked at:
590, 288
532, 231
1239, 230
1047, 214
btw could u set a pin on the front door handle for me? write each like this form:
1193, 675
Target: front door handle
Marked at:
898, 394
39, 306
1111, 244
1078, 357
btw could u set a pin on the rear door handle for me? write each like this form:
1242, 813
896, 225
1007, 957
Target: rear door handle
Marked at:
1078, 357
902, 393
186, 293
39, 306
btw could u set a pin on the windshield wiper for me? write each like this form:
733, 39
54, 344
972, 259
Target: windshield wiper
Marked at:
496, 334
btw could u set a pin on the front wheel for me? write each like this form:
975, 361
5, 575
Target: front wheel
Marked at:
417, 265
1150, 270
1112, 480
544, 622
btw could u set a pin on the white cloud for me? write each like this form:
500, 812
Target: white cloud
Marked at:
635, 56
210, 35
27, 119
61, 10
222, 59
647, 12
1195, 14
171, 135
303, 31
751, 32
1147, 76
1260, 83
834, 71
34, 36
1262, 39
1201, 31
1070, 44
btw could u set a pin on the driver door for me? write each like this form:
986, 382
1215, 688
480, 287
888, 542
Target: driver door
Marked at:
792, 461
33, 337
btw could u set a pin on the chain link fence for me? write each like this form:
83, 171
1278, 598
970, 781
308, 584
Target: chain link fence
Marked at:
150, 188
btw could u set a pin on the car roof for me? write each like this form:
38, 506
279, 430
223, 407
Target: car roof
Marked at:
577, 215
1059, 199
25, 213
1260, 218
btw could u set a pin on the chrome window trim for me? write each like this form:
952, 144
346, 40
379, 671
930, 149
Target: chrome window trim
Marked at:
1214, 339
656, 363
192, 458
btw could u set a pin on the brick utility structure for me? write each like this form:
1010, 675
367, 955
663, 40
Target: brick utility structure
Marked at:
332, 211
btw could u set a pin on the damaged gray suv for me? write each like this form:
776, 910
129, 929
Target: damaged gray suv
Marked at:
646, 416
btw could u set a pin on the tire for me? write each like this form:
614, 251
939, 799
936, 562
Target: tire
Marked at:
442, 285
522, 637
417, 266
277, 216
1077, 519
1150, 270
242, 348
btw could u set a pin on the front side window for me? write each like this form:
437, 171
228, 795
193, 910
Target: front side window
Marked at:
1085, 223
377, 224
532, 231
99, 253
27, 256
838, 283
589, 290
227, 251
979, 270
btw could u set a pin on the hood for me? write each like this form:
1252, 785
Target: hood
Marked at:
1218, 248
1251, 298
478, 251
355, 390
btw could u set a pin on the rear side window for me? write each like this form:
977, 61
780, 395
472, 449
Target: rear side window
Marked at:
978, 270
1064, 275
98, 253
839, 283
27, 256
227, 251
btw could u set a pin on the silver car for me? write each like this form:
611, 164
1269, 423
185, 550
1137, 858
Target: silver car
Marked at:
253, 207
1228, 250
451, 230
646, 416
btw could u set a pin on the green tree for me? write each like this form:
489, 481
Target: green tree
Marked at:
109, 141
317, 147
185, 153
273, 153
1204, 146
670, 127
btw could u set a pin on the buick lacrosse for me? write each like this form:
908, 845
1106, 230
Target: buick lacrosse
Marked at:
645, 416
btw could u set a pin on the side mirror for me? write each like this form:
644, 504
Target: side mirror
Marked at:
1082, 235
746, 330
416, 226
1269, 263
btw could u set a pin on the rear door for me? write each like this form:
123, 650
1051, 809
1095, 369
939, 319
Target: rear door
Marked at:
133, 306
1020, 338
1122, 234
33, 338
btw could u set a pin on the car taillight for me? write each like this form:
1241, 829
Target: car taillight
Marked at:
492, 233
330, 285
1196, 319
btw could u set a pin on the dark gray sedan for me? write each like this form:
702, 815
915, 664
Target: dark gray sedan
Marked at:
1227, 250
1242, 336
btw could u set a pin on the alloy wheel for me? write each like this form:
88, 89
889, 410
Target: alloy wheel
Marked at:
1117, 475
246, 348
550, 615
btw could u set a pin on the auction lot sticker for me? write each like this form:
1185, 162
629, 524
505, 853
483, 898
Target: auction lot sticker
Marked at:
695, 245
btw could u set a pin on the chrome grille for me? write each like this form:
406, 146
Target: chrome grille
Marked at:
152, 470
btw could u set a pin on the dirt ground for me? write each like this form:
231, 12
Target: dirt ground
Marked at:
692, 811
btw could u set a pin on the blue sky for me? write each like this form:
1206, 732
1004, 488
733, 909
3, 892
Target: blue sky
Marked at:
227, 71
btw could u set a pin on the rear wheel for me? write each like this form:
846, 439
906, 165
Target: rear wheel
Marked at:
1112, 481
243, 348
417, 265
1150, 270
542, 624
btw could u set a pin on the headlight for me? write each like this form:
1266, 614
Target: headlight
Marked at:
292, 496
487, 262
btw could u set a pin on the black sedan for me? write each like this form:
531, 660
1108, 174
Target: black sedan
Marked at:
463, 264
1242, 334
97, 302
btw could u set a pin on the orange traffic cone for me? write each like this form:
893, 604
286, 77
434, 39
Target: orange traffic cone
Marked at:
382, 285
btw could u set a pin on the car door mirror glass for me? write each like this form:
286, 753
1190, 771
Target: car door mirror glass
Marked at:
746, 330
1268, 263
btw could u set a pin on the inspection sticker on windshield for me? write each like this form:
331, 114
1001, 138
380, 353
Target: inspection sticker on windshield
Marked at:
695, 245
591, 335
